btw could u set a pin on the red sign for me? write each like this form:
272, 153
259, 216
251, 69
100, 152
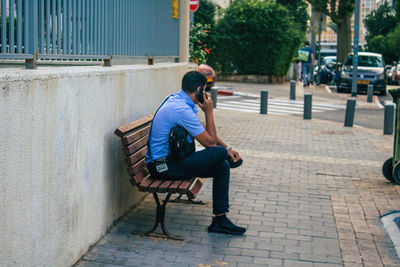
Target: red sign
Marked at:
193, 5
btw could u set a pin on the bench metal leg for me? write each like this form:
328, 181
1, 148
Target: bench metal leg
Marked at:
160, 218
179, 199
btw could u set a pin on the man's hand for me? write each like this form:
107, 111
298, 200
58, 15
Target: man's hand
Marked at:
234, 155
207, 105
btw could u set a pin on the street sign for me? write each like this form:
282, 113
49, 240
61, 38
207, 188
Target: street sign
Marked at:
193, 5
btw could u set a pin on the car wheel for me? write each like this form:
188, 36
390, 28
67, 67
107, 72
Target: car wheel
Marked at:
387, 170
383, 93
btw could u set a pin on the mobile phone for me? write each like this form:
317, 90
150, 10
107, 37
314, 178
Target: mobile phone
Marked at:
199, 95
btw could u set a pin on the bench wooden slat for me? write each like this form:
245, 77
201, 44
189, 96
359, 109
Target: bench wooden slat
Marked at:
132, 159
132, 148
133, 137
184, 186
164, 186
138, 178
143, 186
154, 186
195, 189
173, 188
135, 169
122, 130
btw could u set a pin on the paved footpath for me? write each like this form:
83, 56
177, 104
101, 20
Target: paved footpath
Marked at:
309, 192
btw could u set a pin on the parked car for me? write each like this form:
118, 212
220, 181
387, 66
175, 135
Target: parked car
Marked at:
396, 75
210, 75
389, 75
371, 70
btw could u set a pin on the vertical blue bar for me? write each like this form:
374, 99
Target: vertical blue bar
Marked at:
87, 27
95, 25
115, 26
64, 25
41, 23
98, 20
3, 26
53, 26
74, 27
103, 32
106, 36
19, 26
69, 38
48, 26
32, 26
12, 32
83, 48
26, 27
78, 26
58, 26
91, 27
101, 22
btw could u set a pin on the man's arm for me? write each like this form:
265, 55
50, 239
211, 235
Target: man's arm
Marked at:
208, 138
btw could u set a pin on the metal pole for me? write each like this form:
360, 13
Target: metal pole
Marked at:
319, 44
214, 93
370, 92
350, 108
307, 106
264, 102
355, 48
388, 118
292, 90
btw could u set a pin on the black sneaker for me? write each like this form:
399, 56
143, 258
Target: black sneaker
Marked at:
221, 224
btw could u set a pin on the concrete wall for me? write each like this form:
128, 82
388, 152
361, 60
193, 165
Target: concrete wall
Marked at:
62, 176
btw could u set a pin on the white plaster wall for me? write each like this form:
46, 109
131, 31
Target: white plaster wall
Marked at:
62, 176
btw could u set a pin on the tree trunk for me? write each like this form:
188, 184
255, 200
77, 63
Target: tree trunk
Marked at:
343, 37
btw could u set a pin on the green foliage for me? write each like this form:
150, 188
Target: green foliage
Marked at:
297, 10
256, 37
383, 35
206, 13
198, 48
380, 21
393, 44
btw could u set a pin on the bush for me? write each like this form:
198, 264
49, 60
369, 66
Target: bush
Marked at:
255, 37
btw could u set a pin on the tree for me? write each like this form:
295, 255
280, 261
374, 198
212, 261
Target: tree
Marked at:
380, 21
340, 12
205, 15
297, 10
256, 37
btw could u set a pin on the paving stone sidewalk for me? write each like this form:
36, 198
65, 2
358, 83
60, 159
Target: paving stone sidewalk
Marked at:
309, 192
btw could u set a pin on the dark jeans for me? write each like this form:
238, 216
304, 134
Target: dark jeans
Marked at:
206, 163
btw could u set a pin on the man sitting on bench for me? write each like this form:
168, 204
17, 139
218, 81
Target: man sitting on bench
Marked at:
214, 161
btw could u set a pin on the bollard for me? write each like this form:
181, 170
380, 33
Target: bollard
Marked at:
307, 106
388, 118
264, 102
370, 93
350, 108
214, 93
292, 90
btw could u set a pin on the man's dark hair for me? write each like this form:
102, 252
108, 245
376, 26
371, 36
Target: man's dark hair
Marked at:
306, 43
192, 80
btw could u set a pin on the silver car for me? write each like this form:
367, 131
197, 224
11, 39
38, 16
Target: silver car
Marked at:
371, 70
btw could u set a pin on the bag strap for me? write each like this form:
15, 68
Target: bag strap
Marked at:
151, 127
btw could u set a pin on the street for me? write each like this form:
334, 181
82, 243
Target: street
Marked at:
327, 105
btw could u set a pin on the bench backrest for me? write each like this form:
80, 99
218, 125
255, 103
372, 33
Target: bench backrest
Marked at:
134, 140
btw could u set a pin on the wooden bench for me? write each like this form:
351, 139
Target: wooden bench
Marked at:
134, 142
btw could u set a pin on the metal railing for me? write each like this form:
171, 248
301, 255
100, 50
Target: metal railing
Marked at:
87, 29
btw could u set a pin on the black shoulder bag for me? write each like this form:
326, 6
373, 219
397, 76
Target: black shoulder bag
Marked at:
179, 145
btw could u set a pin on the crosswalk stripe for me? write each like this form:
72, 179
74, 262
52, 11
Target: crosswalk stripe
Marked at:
276, 107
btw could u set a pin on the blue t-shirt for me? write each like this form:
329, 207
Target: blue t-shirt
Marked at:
180, 110
310, 51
